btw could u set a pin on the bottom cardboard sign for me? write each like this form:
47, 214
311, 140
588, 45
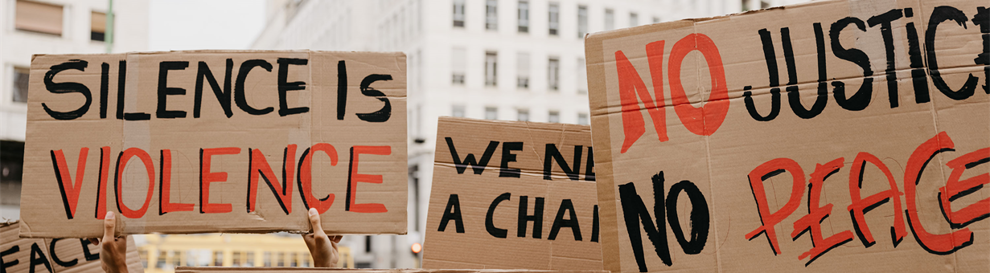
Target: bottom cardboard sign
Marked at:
183, 269
54, 255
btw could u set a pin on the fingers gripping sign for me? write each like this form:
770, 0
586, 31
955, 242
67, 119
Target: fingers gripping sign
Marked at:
323, 248
113, 253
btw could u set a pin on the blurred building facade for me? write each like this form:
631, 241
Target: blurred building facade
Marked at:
485, 59
163, 253
29, 27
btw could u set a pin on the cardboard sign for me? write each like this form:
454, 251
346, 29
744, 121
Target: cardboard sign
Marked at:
215, 141
306, 270
55, 255
827, 137
512, 195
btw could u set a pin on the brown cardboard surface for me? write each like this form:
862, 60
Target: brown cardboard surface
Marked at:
324, 129
55, 255
182, 269
727, 104
512, 164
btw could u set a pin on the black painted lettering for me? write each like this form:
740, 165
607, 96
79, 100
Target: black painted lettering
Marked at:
700, 217
525, 217
383, 114
884, 21
941, 14
223, 95
477, 166
67, 87
284, 86
164, 91
566, 206
508, 156
452, 213
51, 251
239, 96
634, 211
861, 99
552, 154
489, 217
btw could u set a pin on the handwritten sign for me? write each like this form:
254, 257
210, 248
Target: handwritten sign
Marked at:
215, 141
55, 255
827, 137
512, 195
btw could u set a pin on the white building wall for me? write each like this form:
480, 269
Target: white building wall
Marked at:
17, 47
424, 30
131, 34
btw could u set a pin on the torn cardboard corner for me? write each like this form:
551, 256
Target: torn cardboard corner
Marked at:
512, 195
305, 270
831, 136
55, 255
215, 141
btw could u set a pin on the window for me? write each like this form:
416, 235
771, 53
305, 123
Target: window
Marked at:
458, 66
554, 117
764, 4
491, 113
267, 259
744, 4
21, 84
249, 262
38, 17
582, 21
553, 74
609, 19
522, 70
98, 26
583, 118
522, 115
293, 262
582, 77
162, 256
491, 15
633, 19
491, 68
458, 13
235, 258
143, 253
280, 259
656, 20
176, 259
554, 18
523, 17
305, 260
457, 111
218, 258
367, 244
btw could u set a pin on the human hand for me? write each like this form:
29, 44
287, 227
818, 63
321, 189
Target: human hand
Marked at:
322, 247
113, 253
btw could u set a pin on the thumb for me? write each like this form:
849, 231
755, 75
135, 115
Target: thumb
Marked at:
109, 227
314, 220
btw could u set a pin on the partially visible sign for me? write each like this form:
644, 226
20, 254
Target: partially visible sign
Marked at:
512, 195
55, 255
833, 136
215, 141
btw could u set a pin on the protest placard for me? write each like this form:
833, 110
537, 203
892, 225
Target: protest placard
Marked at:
512, 195
832, 136
19, 255
345, 270
215, 141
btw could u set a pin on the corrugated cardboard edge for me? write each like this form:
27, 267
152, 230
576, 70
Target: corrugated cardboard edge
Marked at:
183, 269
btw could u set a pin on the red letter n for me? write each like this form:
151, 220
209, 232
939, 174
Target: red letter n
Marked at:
631, 84
261, 170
